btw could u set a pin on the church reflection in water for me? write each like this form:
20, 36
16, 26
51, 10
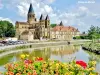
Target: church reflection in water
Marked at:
47, 52
64, 50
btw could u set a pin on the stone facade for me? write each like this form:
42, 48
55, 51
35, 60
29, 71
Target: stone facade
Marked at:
33, 29
62, 32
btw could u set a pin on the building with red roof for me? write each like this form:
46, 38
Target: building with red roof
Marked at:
62, 32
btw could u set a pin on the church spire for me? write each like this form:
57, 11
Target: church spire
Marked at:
47, 18
61, 24
41, 17
31, 9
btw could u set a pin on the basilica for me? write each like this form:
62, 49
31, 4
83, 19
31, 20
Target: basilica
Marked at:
41, 29
33, 29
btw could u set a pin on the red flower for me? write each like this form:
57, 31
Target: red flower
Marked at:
39, 59
81, 63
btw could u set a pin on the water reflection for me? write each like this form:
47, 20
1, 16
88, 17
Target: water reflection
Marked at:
5, 59
64, 50
94, 57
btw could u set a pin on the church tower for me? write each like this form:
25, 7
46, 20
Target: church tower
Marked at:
47, 21
42, 25
47, 26
31, 15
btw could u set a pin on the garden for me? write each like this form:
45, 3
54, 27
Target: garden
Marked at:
39, 66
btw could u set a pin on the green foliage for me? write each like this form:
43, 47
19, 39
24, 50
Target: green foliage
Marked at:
81, 37
7, 29
53, 25
94, 32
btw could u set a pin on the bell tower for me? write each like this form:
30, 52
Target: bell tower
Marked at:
47, 26
31, 15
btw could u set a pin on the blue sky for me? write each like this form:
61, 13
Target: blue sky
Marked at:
78, 13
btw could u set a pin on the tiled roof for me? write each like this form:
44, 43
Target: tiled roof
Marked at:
64, 28
22, 22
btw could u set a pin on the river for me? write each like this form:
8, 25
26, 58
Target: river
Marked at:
64, 53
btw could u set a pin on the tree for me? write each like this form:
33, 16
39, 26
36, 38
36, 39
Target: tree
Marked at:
53, 25
83, 32
7, 29
94, 33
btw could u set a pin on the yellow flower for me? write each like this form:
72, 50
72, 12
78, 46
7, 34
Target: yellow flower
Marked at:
92, 68
22, 56
78, 65
57, 64
27, 55
71, 72
93, 62
91, 74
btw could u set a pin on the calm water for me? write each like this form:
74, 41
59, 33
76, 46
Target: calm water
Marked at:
62, 53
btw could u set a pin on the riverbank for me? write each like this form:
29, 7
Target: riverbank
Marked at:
41, 44
92, 47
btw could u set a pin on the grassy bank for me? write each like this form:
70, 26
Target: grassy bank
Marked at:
93, 47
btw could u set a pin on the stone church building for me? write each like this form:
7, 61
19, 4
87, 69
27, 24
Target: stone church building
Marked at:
33, 29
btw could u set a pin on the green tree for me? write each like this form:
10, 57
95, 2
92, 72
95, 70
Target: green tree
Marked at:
7, 29
94, 33
53, 25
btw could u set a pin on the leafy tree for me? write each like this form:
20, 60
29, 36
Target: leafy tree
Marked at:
53, 25
83, 32
7, 29
94, 33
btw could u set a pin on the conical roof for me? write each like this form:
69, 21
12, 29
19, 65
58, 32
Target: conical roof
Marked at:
61, 24
47, 18
41, 17
31, 9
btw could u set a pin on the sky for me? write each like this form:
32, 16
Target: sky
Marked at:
80, 14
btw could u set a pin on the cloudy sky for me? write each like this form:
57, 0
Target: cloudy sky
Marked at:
78, 13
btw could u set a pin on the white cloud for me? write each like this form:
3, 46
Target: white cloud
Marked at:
38, 6
83, 8
80, 16
48, 1
48, 9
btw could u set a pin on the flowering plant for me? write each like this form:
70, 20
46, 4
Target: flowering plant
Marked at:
81, 63
38, 66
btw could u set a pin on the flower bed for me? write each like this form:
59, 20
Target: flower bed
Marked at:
38, 66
